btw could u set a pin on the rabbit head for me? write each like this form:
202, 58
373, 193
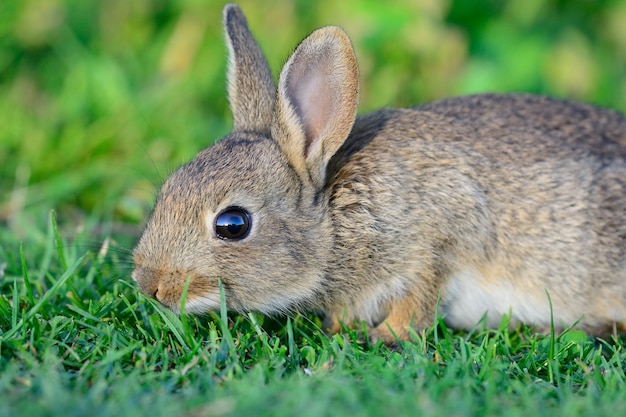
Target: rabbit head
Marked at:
247, 211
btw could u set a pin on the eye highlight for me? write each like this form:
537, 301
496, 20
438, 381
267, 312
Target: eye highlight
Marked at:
232, 224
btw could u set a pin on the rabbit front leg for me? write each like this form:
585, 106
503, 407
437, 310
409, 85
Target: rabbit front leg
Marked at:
331, 323
404, 313
394, 328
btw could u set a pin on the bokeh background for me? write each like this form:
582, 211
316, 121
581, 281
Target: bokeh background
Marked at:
100, 100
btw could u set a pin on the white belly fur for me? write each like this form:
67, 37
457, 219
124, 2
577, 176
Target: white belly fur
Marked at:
468, 296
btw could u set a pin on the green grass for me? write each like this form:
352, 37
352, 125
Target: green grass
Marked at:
77, 339
100, 100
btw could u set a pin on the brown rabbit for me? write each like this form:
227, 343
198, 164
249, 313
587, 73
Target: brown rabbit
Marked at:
481, 205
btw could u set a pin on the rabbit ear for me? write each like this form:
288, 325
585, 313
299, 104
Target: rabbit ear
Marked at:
317, 101
251, 90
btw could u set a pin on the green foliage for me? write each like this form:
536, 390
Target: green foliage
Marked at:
99, 100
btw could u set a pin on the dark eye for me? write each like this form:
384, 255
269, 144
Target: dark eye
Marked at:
232, 224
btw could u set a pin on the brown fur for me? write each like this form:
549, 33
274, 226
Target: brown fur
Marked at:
472, 199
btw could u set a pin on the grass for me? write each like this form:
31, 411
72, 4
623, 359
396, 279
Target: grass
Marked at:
77, 339
99, 100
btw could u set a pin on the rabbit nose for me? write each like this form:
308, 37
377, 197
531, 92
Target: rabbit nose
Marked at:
151, 291
147, 285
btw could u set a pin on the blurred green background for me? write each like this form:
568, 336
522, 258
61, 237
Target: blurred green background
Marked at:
100, 100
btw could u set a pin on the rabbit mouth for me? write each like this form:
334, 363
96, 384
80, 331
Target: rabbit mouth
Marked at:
202, 304
191, 301
176, 290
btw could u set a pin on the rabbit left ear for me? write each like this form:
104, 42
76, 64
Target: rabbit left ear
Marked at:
317, 101
251, 90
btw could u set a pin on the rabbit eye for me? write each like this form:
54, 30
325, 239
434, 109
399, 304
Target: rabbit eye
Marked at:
232, 224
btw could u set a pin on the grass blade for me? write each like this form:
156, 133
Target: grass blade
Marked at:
44, 299
228, 338
57, 239
172, 321
29, 289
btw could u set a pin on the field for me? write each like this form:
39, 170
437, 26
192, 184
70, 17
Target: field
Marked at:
99, 101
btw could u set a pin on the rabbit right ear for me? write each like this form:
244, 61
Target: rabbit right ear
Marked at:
318, 93
251, 90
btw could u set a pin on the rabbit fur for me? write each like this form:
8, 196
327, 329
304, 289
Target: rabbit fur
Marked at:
481, 205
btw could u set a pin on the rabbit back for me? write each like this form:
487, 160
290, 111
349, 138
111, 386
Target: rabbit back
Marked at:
490, 201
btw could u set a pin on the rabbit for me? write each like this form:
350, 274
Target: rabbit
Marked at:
468, 208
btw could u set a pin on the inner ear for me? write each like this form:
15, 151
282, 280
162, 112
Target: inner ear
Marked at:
309, 93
